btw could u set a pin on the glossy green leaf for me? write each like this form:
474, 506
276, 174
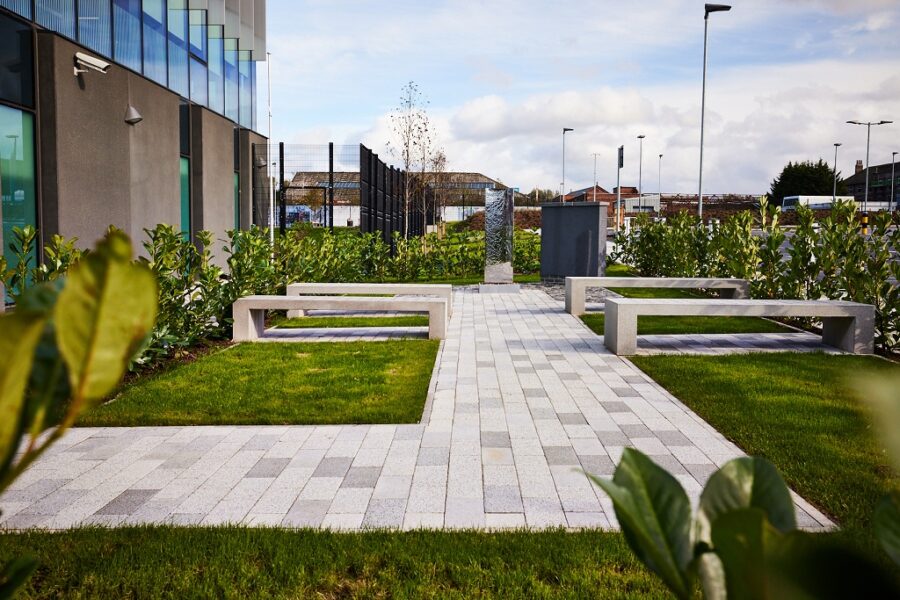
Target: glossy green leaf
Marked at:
20, 334
743, 539
887, 525
14, 574
746, 482
103, 314
655, 515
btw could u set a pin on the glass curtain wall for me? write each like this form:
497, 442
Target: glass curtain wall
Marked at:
17, 174
56, 15
94, 25
198, 52
246, 89
237, 200
20, 7
216, 69
127, 27
179, 80
155, 63
232, 84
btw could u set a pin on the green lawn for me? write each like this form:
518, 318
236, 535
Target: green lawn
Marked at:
229, 562
799, 411
339, 322
651, 325
278, 384
654, 325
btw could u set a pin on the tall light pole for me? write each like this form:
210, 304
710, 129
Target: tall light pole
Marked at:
621, 163
659, 182
562, 195
708, 8
868, 125
271, 174
641, 173
893, 199
834, 189
595, 175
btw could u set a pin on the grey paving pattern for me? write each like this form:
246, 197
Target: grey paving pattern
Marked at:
720, 343
523, 397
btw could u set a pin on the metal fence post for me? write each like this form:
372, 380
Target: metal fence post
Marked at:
283, 226
331, 185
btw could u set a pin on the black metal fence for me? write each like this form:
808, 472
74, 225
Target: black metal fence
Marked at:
380, 196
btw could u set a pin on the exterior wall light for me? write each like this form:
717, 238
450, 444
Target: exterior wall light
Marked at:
132, 116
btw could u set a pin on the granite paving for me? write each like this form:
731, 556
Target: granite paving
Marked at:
523, 399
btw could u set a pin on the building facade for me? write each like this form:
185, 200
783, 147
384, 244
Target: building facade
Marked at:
879, 185
129, 113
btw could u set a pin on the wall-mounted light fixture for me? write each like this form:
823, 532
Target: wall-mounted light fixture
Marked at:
132, 116
85, 62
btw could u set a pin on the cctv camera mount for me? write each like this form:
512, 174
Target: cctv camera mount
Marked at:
89, 63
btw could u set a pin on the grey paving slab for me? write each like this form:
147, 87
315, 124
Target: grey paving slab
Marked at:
523, 398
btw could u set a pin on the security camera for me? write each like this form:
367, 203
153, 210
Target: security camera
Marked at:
91, 62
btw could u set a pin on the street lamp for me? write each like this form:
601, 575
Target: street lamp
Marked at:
708, 8
893, 199
641, 173
659, 182
595, 155
563, 194
834, 189
868, 125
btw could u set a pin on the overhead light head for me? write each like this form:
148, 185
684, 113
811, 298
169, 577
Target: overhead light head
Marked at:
711, 8
565, 129
885, 122
132, 116
642, 136
854, 123
84, 62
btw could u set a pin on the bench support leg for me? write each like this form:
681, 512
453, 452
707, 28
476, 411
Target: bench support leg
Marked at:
851, 334
249, 324
437, 322
296, 314
575, 294
737, 293
620, 330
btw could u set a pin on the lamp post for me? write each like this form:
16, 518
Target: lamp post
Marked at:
659, 183
641, 173
621, 163
893, 198
271, 175
868, 125
708, 8
834, 189
563, 193
595, 176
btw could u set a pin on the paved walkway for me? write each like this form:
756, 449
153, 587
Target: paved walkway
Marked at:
522, 397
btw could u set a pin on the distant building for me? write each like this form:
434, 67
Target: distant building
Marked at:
879, 183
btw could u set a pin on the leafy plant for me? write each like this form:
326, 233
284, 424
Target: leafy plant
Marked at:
741, 543
65, 348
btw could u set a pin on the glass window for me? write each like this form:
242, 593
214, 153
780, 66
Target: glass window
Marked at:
155, 64
17, 175
232, 98
198, 34
178, 48
253, 102
216, 70
56, 15
93, 26
237, 200
22, 7
186, 197
16, 62
246, 104
199, 84
127, 27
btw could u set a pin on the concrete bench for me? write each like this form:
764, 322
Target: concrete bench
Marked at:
440, 290
576, 287
846, 325
250, 312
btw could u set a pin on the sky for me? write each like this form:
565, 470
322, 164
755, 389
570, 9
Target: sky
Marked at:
503, 78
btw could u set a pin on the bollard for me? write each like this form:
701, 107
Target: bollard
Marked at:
864, 223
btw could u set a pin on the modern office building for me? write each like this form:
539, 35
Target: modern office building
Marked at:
129, 113
879, 185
